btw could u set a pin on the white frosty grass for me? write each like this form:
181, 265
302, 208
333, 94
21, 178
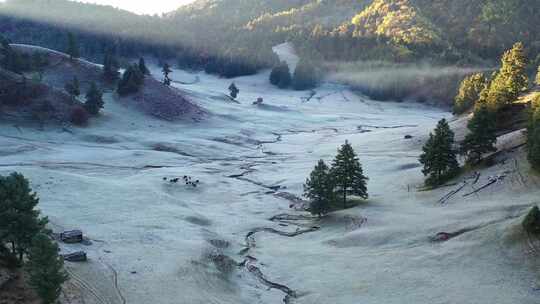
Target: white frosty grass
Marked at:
155, 234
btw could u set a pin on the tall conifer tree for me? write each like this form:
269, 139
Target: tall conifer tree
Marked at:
319, 189
46, 269
348, 174
533, 134
439, 158
482, 136
94, 99
19, 219
73, 46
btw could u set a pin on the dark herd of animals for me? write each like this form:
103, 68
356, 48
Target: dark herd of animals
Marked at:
186, 179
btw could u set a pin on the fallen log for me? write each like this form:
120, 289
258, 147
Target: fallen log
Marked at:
492, 180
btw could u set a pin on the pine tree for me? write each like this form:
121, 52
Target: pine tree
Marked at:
73, 46
533, 134
73, 88
46, 269
281, 76
19, 219
166, 71
469, 92
482, 136
439, 158
348, 174
94, 99
131, 81
233, 90
110, 67
511, 80
319, 189
142, 67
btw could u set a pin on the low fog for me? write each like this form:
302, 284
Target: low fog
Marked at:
415, 81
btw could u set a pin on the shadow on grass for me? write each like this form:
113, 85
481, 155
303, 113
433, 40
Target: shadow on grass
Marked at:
352, 202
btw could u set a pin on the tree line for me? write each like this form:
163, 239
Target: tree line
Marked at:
491, 102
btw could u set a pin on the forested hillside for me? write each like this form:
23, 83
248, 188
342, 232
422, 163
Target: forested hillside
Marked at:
233, 37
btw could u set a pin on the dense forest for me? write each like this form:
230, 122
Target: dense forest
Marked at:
234, 37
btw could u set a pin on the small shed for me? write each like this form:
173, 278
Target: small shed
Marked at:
79, 256
71, 237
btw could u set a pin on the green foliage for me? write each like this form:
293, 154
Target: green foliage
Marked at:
281, 76
142, 67
46, 269
72, 46
469, 92
439, 158
348, 175
233, 90
19, 219
306, 76
94, 99
537, 79
166, 70
533, 134
131, 81
12, 60
482, 136
319, 189
110, 67
510, 81
398, 20
531, 223
73, 88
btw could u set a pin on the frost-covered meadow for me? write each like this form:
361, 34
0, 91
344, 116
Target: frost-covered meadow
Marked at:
154, 241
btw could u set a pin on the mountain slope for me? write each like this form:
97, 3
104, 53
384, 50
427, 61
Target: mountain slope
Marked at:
395, 30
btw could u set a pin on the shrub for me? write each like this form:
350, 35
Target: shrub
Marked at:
305, 76
131, 81
79, 116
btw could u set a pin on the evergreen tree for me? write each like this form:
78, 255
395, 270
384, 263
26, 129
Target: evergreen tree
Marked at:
469, 92
439, 158
281, 76
73, 46
533, 134
9, 58
131, 81
482, 136
348, 175
319, 189
511, 80
46, 269
233, 90
166, 71
19, 219
94, 99
142, 67
110, 67
305, 76
73, 88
